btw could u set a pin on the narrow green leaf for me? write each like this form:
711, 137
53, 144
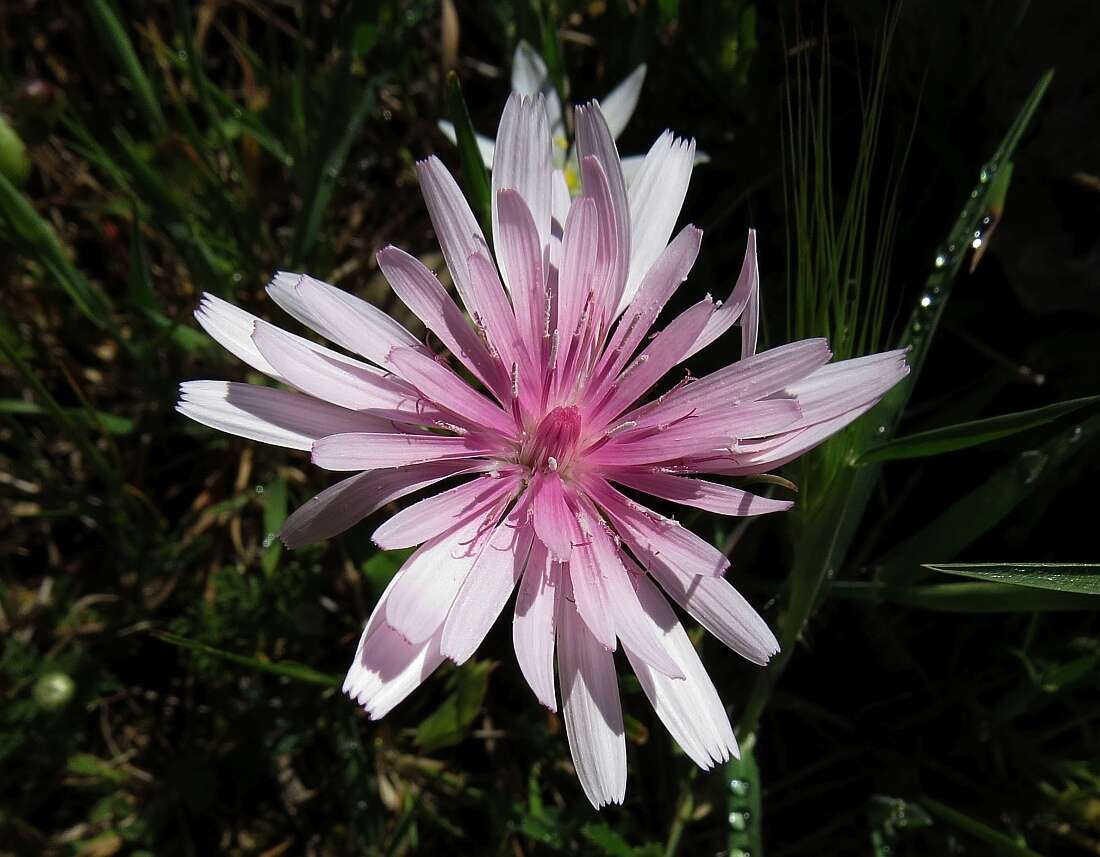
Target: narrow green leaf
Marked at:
89, 419
447, 725
36, 239
1081, 577
274, 515
120, 46
975, 514
475, 176
1000, 843
965, 597
328, 165
965, 435
289, 669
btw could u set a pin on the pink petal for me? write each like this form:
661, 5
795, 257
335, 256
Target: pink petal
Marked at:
711, 496
523, 162
656, 196
421, 292
454, 224
653, 537
340, 317
388, 668
745, 294
231, 327
372, 451
486, 589
447, 390
650, 366
426, 586
689, 435
435, 515
533, 625
690, 709
612, 255
745, 381
269, 415
553, 519
520, 257
586, 580
579, 244
351, 500
632, 625
497, 318
839, 387
593, 717
594, 139
331, 376
663, 278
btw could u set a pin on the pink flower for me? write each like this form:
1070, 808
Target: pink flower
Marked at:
558, 342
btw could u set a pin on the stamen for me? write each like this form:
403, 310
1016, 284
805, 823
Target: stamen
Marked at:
452, 427
621, 427
552, 463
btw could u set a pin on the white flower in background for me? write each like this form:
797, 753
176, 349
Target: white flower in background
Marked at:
530, 77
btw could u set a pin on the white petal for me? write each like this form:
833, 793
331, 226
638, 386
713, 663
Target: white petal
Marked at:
430, 579
523, 162
387, 668
268, 415
593, 717
484, 145
690, 708
349, 501
439, 513
620, 103
486, 589
339, 317
530, 77
656, 197
534, 623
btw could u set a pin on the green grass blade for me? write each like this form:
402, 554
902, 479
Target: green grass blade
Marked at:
289, 669
829, 528
328, 165
274, 515
965, 435
978, 512
36, 239
474, 175
1081, 577
999, 842
93, 420
120, 46
974, 597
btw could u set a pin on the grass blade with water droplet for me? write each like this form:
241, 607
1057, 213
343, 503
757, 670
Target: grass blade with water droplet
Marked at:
965, 435
972, 597
1080, 577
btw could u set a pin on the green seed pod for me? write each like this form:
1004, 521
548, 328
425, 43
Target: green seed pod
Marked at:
14, 163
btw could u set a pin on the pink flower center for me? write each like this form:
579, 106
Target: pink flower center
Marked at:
554, 443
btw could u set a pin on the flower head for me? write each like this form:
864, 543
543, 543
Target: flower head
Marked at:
530, 77
539, 418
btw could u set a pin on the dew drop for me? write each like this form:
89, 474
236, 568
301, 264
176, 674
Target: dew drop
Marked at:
976, 243
740, 788
269, 540
926, 301
259, 489
237, 276
1075, 434
881, 429
941, 260
739, 821
1031, 465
